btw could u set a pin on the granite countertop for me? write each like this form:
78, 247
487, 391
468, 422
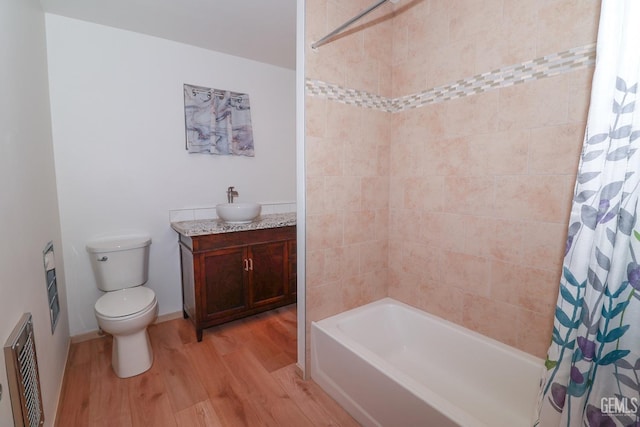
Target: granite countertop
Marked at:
202, 227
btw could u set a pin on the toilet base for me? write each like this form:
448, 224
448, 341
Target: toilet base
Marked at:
131, 354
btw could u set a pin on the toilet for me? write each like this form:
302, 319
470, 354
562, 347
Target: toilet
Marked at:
121, 265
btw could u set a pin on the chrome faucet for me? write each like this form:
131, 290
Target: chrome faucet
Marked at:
231, 193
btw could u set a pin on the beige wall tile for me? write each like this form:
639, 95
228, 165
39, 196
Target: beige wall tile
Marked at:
360, 159
406, 157
506, 239
363, 74
474, 115
315, 19
580, 90
464, 156
422, 261
529, 288
459, 207
492, 318
315, 195
373, 256
323, 156
469, 195
428, 28
324, 231
378, 37
534, 331
468, 18
404, 224
382, 225
323, 301
338, 265
375, 285
342, 193
431, 119
441, 300
519, 23
444, 231
556, 149
400, 40
466, 272
409, 76
543, 198
544, 244
384, 160
315, 116
396, 192
343, 121
542, 102
376, 127
563, 24
359, 227
453, 63
402, 286
507, 152
375, 192
315, 266
414, 191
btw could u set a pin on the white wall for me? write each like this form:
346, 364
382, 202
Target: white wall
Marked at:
28, 206
118, 131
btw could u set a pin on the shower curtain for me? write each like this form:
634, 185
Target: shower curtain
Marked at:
592, 375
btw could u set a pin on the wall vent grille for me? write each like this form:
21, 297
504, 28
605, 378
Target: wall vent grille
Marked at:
22, 374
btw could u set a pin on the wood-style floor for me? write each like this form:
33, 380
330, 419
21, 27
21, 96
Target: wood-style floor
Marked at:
241, 374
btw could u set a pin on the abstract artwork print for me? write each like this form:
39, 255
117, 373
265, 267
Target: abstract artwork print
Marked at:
217, 121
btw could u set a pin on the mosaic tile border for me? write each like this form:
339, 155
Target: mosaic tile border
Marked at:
348, 96
539, 68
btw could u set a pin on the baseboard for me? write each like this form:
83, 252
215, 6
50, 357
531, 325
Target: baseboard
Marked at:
169, 316
56, 413
86, 336
300, 372
91, 335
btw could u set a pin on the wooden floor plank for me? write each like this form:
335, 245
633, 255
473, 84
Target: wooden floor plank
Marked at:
312, 400
201, 414
81, 352
182, 384
75, 408
149, 401
221, 386
275, 407
229, 337
241, 374
109, 395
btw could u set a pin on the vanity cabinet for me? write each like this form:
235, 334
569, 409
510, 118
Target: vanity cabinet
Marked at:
227, 276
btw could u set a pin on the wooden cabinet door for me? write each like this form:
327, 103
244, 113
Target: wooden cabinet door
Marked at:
224, 281
269, 273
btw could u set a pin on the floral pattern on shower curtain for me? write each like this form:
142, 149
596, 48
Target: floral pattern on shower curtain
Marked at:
592, 375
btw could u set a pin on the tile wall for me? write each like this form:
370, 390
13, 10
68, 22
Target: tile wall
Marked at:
458, 206
347, 162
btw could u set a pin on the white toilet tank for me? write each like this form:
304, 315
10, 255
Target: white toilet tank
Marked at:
120, 262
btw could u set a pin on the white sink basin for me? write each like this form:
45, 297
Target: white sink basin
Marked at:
238, 213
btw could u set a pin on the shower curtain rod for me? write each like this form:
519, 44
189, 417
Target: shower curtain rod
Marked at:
362, 13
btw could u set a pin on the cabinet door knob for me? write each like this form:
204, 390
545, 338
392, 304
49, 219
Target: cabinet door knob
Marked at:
246, 264
251, 264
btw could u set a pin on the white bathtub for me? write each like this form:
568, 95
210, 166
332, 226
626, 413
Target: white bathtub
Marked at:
389, 364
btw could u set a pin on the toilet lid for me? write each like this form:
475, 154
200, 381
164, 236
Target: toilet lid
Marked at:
125, 302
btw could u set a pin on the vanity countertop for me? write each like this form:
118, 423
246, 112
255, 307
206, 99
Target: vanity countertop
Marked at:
203, 227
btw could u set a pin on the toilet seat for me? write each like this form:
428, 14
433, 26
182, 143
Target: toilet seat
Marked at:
125, 302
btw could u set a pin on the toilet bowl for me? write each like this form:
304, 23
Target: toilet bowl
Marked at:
125, 314
127, 307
